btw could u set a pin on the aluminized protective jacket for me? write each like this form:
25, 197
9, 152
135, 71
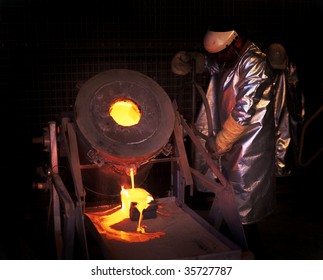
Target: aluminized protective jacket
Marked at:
245, 91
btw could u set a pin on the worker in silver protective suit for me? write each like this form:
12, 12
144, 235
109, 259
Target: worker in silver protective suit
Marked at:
240, 93
289, 109
243, 141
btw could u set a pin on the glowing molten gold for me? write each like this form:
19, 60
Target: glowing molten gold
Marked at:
104, 221
125, 112
140, 197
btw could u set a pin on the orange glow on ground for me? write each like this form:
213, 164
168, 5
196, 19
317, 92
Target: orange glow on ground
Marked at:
125, 112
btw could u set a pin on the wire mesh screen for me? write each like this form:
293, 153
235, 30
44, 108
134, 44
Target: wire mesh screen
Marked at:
57, 45
50, 48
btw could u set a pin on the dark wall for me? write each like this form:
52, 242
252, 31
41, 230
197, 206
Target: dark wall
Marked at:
49, 48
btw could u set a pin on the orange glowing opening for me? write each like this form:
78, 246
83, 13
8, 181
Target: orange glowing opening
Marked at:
125, 112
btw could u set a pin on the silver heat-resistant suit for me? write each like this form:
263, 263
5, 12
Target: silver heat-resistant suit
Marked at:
245, 91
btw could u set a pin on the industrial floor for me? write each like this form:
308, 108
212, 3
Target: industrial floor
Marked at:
293, 232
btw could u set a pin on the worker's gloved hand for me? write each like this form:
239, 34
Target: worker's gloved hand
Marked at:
182, 63
213, 148
225, 139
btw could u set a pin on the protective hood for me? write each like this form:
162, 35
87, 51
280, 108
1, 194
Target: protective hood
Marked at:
217, 41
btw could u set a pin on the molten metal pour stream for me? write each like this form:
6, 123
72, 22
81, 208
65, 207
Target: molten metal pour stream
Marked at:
142, 201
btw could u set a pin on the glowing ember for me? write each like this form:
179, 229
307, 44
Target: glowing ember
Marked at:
125, 112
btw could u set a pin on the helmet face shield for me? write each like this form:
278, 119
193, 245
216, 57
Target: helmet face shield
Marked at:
215, 42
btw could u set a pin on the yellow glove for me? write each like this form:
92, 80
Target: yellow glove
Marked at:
182, 62
229, 134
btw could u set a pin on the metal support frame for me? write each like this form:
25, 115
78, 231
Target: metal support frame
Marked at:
224, 205
63, 205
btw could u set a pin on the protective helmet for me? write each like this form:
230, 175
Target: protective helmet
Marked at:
277, 56
215, 41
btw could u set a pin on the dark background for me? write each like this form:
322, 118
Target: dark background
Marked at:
49, 48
